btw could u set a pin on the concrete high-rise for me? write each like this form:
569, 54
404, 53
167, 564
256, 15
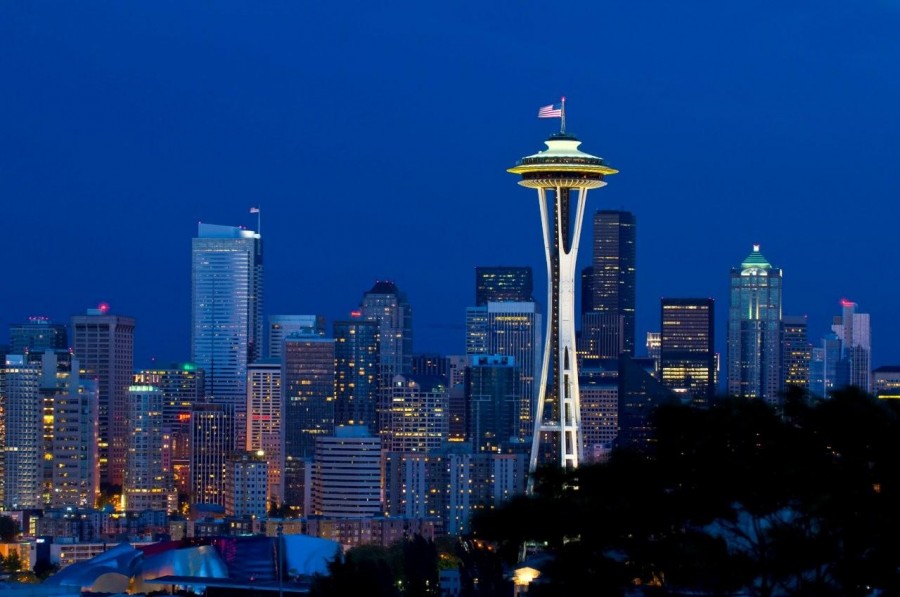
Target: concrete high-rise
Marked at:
104, 345
417, 418
212, 436
246, 485
614, 282
226, 314
754, 329
148, 482
503, 283
347, 474
562, 175
23, 442
687, 349
265, 428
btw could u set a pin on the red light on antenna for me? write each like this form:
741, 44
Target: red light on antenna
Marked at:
846, 303
356, 313
103, 307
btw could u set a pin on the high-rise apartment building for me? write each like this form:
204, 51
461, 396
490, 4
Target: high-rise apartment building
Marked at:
614, 283
503, 284
307, 383
282, 326
36, 335
247, 485
416, 419
515, 330
104, 346
855, 333
357, 370
687, 349
75, 477
796, 353
226, 316
21, 405
148, 482
754, 329
265, 429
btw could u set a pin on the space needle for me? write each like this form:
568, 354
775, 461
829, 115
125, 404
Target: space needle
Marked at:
562, 174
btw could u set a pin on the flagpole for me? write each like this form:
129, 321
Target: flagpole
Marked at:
259, 221
562, 125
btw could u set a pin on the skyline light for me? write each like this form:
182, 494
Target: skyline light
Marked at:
124, 126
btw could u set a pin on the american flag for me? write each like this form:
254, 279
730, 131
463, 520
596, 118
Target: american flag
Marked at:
551, 111
254, 210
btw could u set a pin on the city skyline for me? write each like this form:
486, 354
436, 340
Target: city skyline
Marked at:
123, 151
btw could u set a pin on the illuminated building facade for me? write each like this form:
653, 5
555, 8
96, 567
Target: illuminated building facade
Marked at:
212, 437
265, 431
347, 474
21, 405
687, 351
36, 335
104, 345
417, 417
281, 326
514, 330
796, 353
307, 383
357, 370
499, 283
754, 329
386, 305
226, 316
886, 382
562, 175
247, 485
493, 403
148, 482
855, 333
610, 330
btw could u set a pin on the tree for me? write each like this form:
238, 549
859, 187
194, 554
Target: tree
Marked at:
13, 562
9, 529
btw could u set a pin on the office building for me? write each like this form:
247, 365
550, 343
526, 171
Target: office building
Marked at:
599, 408
226, 314
493, 403
386, 305
855, 333
347, 474
824, 365
514, 330
212, 438
265, 431
181, 386
148, 482
687, 349
104, 347
614, 283
796, 353
282, 326
308, 383
494, 284
37, 335
886, 382
640, 394
416, 419
357, 365
247, 485
754, 329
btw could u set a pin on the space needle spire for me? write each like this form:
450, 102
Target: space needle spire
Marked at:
562, 174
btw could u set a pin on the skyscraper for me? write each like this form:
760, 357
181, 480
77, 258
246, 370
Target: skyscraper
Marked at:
493, 400
37, 334
347, 474
855, 333
226, 321
104, 345
282, 326
385, 304
357, 359
562, 175
416, 419
687, 349
265, 429
510, 329
754, 329
503, 283
307, 384
21, 404
614, 270
212, 436
148, 480
796, 352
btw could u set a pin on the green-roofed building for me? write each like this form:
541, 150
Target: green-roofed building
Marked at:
754, 322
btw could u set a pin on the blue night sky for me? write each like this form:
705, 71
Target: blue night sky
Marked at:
374, 136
